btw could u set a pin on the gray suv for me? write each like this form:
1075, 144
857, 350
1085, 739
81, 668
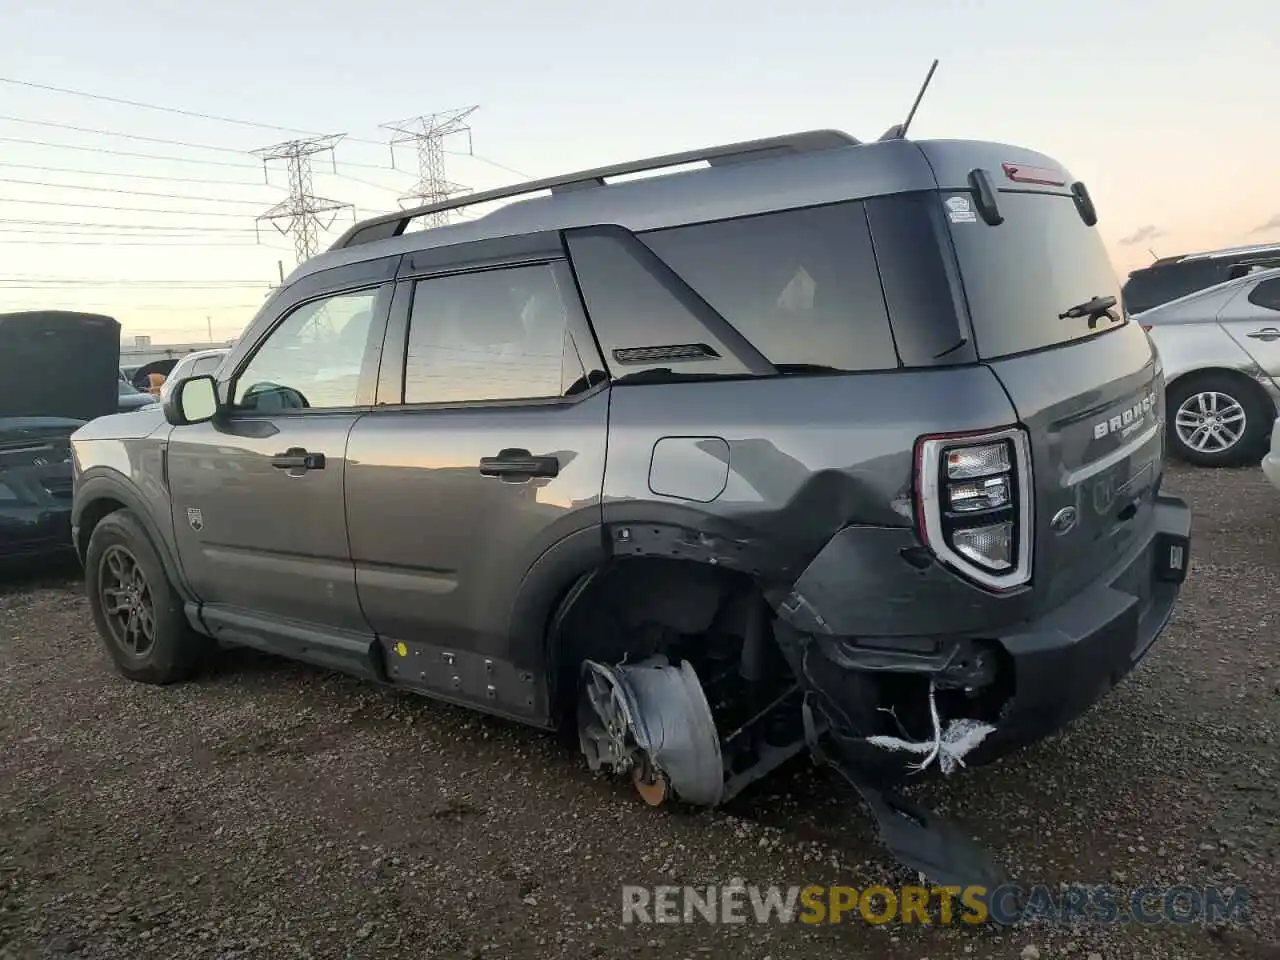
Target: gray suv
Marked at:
832, 446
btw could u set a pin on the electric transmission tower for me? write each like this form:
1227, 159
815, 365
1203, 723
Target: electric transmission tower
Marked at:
300, 214
428, 134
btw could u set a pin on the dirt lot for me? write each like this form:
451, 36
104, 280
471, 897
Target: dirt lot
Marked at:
273, 810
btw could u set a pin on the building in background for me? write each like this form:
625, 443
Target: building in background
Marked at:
139, 351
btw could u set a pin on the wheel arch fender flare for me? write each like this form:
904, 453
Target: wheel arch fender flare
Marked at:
101, 486
565, 572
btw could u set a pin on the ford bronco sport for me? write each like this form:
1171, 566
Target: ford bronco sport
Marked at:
826, 445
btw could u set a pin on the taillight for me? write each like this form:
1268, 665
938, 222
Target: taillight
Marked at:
1146, 327
1021, 173
974, 504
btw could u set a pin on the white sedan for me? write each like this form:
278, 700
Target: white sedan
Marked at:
193, 364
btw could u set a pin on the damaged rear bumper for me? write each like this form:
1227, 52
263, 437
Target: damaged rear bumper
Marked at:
1050, 669
1066, 661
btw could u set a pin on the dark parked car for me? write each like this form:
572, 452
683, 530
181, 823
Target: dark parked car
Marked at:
38, 413
829, 445
1170, 278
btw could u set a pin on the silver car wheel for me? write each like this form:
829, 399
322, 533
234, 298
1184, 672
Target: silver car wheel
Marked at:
1210, 422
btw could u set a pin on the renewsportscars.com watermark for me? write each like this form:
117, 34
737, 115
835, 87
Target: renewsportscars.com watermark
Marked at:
1006, 905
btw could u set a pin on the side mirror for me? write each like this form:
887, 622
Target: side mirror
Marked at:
192, 400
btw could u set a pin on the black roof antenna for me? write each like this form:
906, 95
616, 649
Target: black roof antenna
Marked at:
899, 130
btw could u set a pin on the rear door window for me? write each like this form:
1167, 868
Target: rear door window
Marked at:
801, 285
1020, 276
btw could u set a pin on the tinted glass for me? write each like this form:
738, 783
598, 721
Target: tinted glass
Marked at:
918, 276
491, 335
312, 359
1153, 286
1266, 294
204, 365
1019, 276
801, 285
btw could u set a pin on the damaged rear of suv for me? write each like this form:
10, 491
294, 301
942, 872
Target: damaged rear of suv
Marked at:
837, 447
947, 501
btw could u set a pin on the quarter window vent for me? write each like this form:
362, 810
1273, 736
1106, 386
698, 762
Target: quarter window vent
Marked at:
672, 353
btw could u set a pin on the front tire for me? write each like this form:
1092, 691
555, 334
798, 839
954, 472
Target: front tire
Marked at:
138, 613
1218, 420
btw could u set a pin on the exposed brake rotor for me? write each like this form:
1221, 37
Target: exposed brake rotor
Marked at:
652, 720
652, 785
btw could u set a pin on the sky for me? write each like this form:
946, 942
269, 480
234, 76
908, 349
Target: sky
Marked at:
1166, 113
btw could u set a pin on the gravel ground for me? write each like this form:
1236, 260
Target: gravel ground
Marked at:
275, 810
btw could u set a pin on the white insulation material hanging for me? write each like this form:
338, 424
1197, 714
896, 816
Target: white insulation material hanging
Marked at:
948, 747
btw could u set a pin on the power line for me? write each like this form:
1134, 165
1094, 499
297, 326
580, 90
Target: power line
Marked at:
124, 136
367, 183
170, 242
216, 163
176, 110
138, 176
25, 286
147, 106
176, 234
91, 282
492, 163
126, 153
107, 206
132, 193
75, 224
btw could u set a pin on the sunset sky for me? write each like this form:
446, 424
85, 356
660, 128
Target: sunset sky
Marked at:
1167, 117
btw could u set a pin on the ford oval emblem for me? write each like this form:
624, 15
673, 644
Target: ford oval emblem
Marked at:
1063, 520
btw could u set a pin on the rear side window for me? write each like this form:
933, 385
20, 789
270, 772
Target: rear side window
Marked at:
1266, 295
204, 365
1019, 276
801, 285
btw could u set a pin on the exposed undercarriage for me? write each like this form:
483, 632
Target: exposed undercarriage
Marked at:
692, 686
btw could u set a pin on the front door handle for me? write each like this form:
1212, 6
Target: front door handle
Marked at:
298, 459
519, 463
1266, 333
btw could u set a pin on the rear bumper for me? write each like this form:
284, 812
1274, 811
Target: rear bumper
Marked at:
1271, 462
1056, 665
1064, 662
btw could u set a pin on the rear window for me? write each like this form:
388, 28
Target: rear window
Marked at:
1152, 286
1156, 285
1019, 276
801, 285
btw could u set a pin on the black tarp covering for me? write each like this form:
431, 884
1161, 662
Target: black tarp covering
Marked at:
56, 363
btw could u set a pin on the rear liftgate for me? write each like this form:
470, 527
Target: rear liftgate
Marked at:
652, 720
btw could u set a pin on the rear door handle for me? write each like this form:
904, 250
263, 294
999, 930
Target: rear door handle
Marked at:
298, 459
1266, 333
519, 463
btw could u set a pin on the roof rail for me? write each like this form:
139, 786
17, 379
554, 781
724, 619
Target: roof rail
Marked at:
1234, 251
393, 224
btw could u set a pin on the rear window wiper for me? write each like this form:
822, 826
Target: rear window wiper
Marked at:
1093, 309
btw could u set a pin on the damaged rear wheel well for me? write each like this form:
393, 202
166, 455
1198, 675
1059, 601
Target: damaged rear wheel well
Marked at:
634, 607
676, 677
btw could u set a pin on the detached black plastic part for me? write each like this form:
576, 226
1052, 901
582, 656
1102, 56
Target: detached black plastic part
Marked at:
917, 838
